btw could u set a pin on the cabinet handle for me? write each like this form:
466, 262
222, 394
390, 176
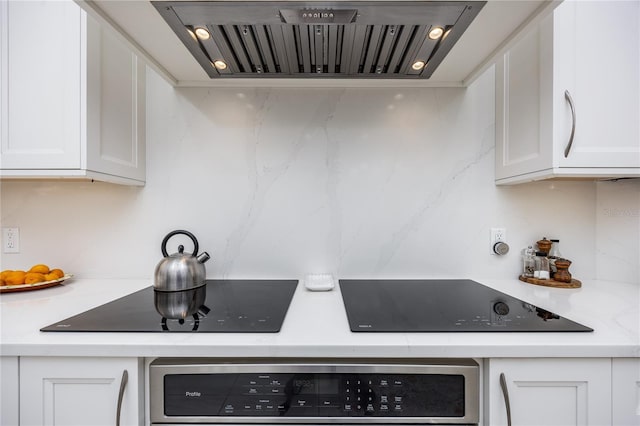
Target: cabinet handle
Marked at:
569, 99
505, 394
123, 385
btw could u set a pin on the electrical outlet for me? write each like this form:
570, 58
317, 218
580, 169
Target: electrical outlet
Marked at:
11, 240
497, 235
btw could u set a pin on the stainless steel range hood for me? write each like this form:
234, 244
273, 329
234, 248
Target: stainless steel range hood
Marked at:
372, 40
145, 31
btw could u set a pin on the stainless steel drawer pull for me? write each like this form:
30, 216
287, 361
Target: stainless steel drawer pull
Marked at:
505, 394
123, 385
569, 99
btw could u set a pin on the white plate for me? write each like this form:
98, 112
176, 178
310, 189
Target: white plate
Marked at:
35, 286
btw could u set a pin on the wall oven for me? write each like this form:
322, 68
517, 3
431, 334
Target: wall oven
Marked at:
314, 391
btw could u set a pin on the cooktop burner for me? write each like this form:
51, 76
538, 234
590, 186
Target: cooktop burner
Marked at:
231, 306
442, 306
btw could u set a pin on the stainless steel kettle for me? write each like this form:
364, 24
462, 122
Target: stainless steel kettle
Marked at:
180, 271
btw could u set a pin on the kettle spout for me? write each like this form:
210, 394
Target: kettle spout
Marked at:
204, 256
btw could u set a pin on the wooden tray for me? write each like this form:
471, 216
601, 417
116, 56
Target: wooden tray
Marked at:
551, 283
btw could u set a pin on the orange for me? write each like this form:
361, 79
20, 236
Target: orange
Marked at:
3, 274
15, 278
57, 272
40, 268
2, 282
34, 277
51, 277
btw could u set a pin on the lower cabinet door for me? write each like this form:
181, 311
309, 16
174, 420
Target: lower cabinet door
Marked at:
549, 392
9, 386
626, 392
80, 391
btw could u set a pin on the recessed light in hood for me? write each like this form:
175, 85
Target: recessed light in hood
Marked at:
436, 33
319, 39
418, 65
202, 33
221, 65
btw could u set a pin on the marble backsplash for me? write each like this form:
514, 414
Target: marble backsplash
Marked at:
357, 182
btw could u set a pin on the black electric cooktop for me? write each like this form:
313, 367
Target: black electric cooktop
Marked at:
442, 306
231, 306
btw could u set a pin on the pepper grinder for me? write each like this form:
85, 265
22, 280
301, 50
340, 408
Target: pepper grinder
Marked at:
562, 274
544, 245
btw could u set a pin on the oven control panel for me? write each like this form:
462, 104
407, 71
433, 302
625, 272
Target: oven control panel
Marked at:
314, 393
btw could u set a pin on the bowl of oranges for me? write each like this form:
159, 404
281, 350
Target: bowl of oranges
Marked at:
39, 276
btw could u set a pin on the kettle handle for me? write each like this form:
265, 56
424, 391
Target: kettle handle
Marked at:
176, 232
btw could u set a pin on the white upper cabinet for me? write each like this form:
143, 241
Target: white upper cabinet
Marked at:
568, 95
73, 96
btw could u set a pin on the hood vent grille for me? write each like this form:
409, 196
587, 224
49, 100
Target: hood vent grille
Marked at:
319, 49
352, 40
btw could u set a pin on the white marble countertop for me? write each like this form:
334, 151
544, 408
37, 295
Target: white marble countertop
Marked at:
316, 326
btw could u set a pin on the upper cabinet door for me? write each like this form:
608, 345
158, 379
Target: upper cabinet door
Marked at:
116, 89
599, 63
523, 113
568, 95
73, 96
41, 81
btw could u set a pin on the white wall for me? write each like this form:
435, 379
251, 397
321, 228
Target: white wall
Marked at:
282, 182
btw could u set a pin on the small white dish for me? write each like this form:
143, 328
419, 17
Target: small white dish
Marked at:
319, 282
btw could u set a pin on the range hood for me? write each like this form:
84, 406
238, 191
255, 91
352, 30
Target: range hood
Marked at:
373, 40
281, 47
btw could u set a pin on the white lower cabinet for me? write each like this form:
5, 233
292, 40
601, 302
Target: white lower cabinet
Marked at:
67, 391
9, 390
625, 396
549, 392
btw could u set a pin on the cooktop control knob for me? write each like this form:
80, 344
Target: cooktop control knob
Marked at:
501, 308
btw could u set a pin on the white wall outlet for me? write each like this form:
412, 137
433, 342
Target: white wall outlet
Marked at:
497, 235
11, 240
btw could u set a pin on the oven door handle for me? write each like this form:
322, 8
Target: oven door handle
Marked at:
505, 394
